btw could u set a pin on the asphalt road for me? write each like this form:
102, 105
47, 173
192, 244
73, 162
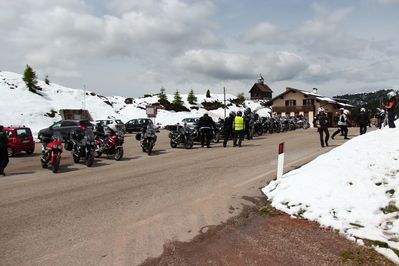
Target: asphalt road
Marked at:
120, 213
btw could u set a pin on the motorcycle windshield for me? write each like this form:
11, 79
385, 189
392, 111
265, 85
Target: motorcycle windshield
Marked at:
89, 135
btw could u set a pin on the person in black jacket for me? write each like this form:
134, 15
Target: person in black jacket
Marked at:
390, 107
228, 128
321, 122
205, 127
3, 151
363, 120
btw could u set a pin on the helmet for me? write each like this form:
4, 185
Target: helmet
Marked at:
232, 113
239, 113
112, 126
346, 112
341, 109
248, 110
391, 94
320, 109
362, 110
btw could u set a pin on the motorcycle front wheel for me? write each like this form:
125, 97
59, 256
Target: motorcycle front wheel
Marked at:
89, 160
173, 144
149, 149
56, 164
76, 158
188, 144
118, 154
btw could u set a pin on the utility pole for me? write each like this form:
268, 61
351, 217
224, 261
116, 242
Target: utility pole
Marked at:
84, 97
224, 101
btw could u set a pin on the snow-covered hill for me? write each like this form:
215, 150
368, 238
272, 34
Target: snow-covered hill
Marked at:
19, 106
353, 189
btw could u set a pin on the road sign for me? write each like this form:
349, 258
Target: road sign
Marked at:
151, 111
280, 162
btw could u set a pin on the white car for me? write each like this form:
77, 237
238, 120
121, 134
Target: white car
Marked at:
105, 122
190, 121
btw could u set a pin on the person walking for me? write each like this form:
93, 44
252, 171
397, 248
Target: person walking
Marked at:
205, 126
3, 151
238, 129
342, 123
391, 109
363, 120
321, 122
228, 127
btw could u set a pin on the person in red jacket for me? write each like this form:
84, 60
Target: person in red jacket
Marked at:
391, 108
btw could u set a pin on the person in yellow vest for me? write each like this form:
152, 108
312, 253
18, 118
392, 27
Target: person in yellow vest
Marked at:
238, 127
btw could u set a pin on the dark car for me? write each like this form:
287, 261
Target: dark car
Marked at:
19, 139
135, 125
64, 128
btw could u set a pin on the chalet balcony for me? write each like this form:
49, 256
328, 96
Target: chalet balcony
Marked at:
295, 109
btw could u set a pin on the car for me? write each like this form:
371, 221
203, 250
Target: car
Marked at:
20, 139
135, 125
118, 123
64, 128
190, 121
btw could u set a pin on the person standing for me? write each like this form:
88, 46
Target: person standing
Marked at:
342, 123
363, 121
321, 122
3, 151
238, 129
391, 109
205, 126
228, 127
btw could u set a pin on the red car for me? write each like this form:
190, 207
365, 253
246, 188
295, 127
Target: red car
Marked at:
19, 139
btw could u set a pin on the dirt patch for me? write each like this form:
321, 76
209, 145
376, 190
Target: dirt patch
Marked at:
262, 235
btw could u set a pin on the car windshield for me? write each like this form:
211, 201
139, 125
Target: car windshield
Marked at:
23, 132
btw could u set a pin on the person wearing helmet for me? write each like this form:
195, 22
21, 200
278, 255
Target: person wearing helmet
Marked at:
321, 122
363, 120
3, 151
205, 126
239, 127
228, 128
342, 123
390, 107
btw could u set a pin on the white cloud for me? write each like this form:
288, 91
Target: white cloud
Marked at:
262, 32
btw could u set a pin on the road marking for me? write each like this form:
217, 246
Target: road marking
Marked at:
274, 170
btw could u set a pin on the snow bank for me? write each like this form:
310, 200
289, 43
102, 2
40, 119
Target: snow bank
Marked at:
353, 188
19, 106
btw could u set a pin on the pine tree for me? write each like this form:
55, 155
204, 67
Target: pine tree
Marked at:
46, 80
162, 96
208, 94
191, 97
30, 79
240, 98
177, 100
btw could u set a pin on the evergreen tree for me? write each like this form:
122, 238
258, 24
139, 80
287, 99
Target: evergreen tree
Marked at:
191, 97
46, 80
30, 79
162, 98
177, 100
240, 98
208, 94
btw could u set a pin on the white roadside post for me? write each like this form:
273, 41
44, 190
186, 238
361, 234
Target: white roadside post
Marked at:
280, 162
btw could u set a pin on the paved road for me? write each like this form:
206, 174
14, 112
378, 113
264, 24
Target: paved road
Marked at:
120, 213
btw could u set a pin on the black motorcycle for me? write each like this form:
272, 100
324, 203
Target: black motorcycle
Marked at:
181, 135
83, 146
147, 139
258, 127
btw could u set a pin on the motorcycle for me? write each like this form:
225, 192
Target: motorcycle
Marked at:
258, 127
51, 152
216, 132
147, 139
181, 135
110, 144
83, 146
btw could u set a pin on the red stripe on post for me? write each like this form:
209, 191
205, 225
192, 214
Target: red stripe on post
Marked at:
281, 148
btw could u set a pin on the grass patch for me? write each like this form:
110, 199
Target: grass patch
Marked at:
264, 211
347, 255
380, 244
389, 209
357, 225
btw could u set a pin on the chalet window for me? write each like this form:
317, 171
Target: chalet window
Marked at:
290, 103
308, 102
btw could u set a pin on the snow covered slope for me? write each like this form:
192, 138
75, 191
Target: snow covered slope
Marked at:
354, 188
19, 106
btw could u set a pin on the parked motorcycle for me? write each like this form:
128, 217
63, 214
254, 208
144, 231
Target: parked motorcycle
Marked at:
83, 146
110, 143
147, 139
51, 152
181, 135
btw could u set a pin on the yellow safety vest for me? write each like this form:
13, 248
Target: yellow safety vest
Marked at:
238, 123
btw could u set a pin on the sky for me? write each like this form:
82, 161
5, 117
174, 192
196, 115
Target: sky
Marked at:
135, 47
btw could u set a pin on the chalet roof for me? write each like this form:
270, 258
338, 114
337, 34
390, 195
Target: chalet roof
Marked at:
311, 95
262, 87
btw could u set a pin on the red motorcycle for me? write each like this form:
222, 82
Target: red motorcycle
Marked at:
110, 145
51, 152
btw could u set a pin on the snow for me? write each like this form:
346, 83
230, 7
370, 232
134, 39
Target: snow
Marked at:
19, 106
348, 189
